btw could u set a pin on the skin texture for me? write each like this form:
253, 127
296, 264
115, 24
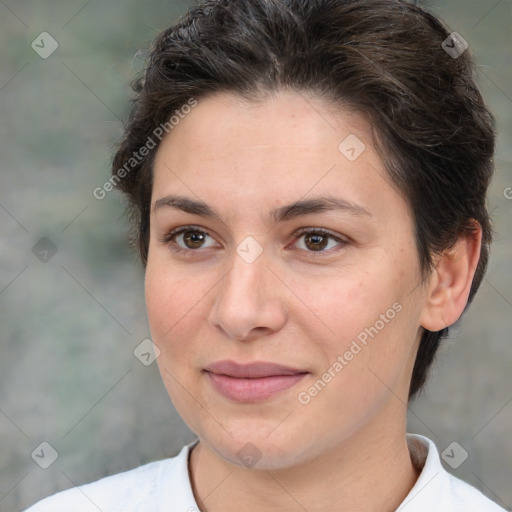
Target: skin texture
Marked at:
345, 448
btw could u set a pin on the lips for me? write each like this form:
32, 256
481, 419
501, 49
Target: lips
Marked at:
252, 382
251, 370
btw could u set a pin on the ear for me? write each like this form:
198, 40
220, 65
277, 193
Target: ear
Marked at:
450, 282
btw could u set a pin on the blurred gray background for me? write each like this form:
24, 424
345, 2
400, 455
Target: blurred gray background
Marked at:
72, 309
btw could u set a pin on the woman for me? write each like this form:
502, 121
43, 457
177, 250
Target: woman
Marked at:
307, 181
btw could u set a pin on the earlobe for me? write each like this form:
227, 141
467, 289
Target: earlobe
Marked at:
450, 283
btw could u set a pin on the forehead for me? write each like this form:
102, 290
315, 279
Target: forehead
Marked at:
274, 151
224, 122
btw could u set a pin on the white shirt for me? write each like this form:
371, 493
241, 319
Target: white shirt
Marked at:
164, 486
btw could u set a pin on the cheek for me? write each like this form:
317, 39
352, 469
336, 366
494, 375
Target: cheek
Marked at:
170, 291
173, 303
369, 319
339, 309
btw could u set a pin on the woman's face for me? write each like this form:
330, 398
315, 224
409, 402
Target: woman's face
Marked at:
328, 288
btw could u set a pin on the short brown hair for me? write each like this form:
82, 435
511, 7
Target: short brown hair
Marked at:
385, 58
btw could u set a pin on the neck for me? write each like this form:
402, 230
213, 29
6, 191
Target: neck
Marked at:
371, 471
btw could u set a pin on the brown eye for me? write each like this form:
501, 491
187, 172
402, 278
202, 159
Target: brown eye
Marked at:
315, 241
188, 238
194, 239
319, 241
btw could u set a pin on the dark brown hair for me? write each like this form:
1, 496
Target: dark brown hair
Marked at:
384, 58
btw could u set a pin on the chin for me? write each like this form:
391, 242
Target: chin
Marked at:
259, 450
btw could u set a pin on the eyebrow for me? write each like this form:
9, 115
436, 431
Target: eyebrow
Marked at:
283, 213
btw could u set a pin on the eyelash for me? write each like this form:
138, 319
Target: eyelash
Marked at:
169, 238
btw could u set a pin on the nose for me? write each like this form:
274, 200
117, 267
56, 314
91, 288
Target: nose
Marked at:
248, 303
